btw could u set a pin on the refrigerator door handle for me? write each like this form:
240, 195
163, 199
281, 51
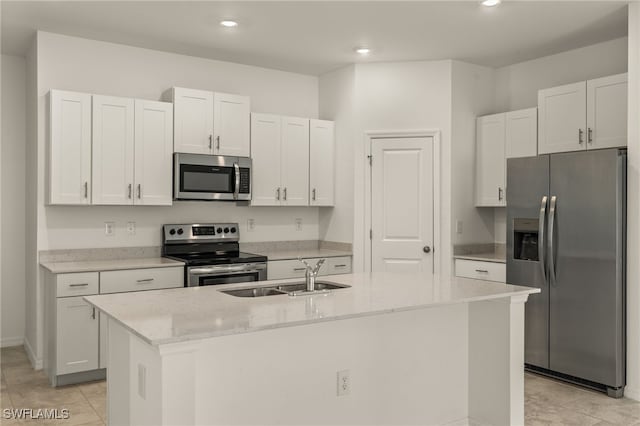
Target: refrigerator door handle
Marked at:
552, 262
541, 231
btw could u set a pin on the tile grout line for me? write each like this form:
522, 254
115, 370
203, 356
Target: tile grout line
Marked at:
90, 404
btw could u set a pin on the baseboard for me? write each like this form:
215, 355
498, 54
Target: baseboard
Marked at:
632, 393
7, 342
35, 362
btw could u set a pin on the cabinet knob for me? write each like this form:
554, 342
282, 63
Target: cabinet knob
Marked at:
426, 249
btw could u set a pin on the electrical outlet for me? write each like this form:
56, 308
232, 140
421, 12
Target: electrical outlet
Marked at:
251, 225
109, 228
298, 224
459, 226
131, 228
344, 383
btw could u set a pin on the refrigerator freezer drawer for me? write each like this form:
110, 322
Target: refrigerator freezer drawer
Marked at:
489, 271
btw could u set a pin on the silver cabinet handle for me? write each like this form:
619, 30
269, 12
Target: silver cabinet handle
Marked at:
79, 285
541, 223
218, 143
236, 171
590, 135
139, 191
278, 194
340, 266
484, 271
130, 186
313, 194
552, 217
299, 269
210, 142
284, 194
146, 280
93, 313
86, 190
499, 194
580, 134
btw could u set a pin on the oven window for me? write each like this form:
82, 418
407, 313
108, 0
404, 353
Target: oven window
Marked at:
197, 178
228, 279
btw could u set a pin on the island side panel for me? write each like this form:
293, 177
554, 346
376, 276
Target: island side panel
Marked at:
118, 374
496, 361
404, 368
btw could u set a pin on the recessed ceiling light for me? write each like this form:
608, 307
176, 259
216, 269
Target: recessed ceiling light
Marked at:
490, 3
363, 50
229, 24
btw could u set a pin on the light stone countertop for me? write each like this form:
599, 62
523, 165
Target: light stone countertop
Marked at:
187, 314
305, 253
484, 257
109, 265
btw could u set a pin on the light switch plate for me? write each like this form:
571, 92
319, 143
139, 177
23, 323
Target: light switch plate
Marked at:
131, 228
109, 228
251, 225
298, 224
459, 226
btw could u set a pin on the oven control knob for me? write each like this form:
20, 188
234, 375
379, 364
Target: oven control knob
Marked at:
233, 230
226, 230
219, 230
180, 231
172, 232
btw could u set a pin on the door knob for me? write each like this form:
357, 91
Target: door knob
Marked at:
426, 249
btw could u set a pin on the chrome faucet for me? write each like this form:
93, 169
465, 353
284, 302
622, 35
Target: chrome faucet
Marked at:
311, 273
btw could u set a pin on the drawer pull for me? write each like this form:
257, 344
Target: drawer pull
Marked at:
146, 280
340, 266
299, 269
79, 285
482, 270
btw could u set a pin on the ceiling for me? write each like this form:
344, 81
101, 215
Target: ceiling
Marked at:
314, 37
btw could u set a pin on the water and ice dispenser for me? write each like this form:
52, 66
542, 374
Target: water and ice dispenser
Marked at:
525, 239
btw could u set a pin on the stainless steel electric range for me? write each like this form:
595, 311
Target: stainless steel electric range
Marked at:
212, 254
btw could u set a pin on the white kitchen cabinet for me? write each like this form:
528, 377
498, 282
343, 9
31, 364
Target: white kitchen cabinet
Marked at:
521, 133
321, 163
607, 112
490, 161
77, 336
69, 148
193, 120
231, 124
153, 153
112, 150
479, 270
141, 279
280, 158
293, 268
585, 115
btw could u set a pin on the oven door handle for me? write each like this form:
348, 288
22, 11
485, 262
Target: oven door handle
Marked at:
236, 190
227, 269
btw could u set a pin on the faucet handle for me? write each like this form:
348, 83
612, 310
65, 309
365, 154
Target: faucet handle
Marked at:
306, 264
318, 265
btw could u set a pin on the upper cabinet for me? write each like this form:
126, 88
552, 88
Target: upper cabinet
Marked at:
321, 162
490, 160
211, 123
586, 115
69, 148
124, 158
521, 133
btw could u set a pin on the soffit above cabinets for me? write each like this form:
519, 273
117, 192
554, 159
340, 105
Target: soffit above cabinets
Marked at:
314, 37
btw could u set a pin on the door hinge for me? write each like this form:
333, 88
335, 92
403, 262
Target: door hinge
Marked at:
370, 157
371, 234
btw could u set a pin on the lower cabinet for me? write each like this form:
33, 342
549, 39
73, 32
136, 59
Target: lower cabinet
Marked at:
283, 269
479, 270
75, 332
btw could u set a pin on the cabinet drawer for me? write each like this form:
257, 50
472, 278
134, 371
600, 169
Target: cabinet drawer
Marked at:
141, 279
489, 271
282, 269
336, 265
80, 284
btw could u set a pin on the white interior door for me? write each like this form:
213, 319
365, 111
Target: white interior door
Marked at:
402, 204
265, 156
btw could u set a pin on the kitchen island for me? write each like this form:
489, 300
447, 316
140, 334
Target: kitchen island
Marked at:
389, 349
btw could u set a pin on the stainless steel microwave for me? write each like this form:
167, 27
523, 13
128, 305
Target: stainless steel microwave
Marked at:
211, 177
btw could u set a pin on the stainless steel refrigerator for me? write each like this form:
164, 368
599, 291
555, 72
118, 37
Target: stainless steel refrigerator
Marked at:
566, 220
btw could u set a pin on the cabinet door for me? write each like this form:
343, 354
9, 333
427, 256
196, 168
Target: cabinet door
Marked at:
193, 121
490, 161
113, 133
77, 336
521, 132
265, 158
562, 118
321, 162
295, 161
607, 112
153, 153
231, 124
69, 148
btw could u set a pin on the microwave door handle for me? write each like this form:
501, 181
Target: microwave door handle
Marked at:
541, 223
236, 190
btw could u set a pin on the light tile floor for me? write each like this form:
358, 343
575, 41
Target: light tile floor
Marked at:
547, 402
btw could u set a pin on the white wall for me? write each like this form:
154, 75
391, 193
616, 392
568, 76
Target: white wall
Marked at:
500, 225
105, 68
12, 281
337, 103
473, 95
633, 208
517, 85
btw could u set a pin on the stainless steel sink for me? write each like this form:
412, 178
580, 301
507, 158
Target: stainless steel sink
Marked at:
292, 289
